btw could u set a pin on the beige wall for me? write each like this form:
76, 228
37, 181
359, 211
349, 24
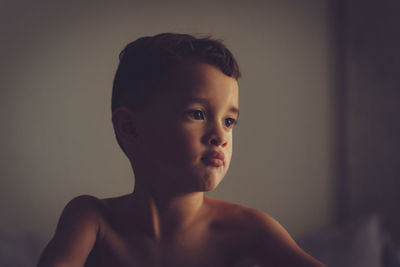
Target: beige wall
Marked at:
57, 65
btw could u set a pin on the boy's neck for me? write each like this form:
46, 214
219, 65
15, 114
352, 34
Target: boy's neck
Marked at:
164, 215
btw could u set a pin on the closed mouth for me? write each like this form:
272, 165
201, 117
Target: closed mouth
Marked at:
214, 158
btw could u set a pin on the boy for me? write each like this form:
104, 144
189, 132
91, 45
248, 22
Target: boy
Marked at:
174, 103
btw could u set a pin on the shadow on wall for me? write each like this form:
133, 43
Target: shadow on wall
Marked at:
373, 110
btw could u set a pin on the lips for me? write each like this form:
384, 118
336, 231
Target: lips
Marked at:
214, 158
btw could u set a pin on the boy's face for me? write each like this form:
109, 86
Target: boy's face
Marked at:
184, 139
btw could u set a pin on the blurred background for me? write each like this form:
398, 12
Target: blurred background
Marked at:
317, 143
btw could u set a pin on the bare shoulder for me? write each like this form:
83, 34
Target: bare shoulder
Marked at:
274, 238
263, 238
245, 216
85, 209
77, 230
85, 203
242, 223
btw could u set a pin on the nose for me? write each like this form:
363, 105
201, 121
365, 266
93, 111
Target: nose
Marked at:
218, 142
216, 136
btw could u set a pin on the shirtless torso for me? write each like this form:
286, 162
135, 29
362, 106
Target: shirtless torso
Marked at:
215, 240
94, 232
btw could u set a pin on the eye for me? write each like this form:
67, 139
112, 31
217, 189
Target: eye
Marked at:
196, 114
229, 122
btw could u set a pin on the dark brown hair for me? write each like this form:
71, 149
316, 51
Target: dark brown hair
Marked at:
146, 61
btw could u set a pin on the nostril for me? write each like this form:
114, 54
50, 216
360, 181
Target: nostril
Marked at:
218, 142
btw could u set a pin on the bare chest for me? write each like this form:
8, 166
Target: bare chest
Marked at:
189, 251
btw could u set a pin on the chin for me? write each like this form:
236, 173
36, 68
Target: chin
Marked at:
209, 183
210, 188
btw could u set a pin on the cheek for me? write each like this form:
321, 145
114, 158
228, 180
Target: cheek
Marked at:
229, 154
159, 142
190, 139
229, 151
183, 143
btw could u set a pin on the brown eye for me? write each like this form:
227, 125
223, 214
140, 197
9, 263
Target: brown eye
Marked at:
229, 122
196, 114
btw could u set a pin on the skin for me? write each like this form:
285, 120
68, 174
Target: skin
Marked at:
167, 220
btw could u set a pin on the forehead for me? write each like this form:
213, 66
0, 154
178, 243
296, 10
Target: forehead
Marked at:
193, 81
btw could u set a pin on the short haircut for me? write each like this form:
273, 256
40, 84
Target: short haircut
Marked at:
144, 63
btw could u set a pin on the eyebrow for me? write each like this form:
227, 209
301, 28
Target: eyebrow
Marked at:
233, 109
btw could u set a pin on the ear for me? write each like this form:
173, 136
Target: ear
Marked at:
123, 119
